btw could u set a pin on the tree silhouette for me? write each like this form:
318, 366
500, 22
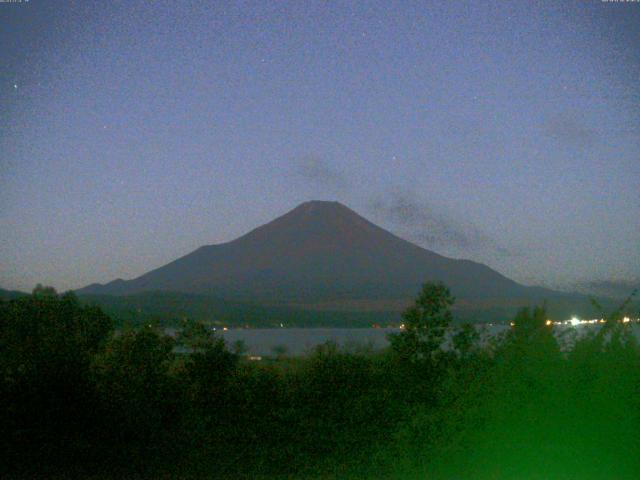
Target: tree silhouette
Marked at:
425, 323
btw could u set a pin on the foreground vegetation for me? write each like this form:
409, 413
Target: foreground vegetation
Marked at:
79, 399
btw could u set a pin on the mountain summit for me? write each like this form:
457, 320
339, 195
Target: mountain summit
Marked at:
319, 252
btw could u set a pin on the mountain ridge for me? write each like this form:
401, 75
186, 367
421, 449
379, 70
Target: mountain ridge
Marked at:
319, 251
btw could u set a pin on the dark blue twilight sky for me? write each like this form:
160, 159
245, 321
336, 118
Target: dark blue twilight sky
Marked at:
133, 132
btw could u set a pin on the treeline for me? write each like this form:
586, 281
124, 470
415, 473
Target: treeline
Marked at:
80, 399
165, 308
168, 309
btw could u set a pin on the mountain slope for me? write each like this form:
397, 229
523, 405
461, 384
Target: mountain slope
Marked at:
319, 252
11, 294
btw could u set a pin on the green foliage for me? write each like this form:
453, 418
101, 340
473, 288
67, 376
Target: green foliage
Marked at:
139, 399
526, 409
209, 366
49, 333
81, 400
425, 323
47, 342
465, 340
279, 351
239, 347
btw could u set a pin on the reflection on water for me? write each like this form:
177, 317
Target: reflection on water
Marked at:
299, 341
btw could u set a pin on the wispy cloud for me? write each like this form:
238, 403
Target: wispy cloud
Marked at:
611, 288
430, 227
567, 129
320, 172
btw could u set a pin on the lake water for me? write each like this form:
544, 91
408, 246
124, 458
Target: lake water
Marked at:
299, 341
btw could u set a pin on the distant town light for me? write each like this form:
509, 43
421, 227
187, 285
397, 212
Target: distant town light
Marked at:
549, 322
574, 321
